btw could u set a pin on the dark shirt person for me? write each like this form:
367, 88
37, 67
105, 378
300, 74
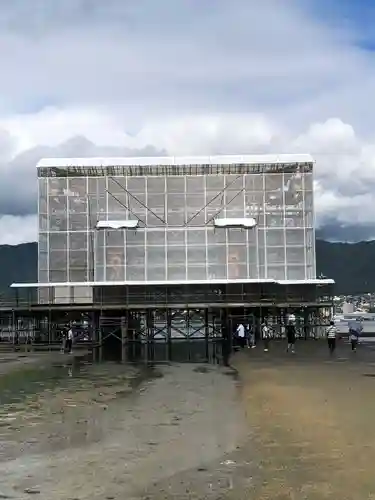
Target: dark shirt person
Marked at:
291, 337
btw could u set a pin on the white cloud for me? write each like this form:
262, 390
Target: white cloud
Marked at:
240, 56
345, 170
83, 78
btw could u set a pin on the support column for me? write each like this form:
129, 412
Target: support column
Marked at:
49, 328
93, 333
226, 343
206, 335
306, 323
169, 333
14, 329
149, 337
27, 333
124, 332
100, 338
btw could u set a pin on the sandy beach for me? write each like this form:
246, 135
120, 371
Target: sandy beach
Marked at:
273, 426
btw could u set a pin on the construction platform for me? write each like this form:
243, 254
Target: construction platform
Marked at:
150, 323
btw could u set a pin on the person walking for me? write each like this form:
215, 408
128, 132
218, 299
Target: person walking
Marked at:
291, 337
251, 337
63, 341
355, 330
241, 335
266, 335
331, 337
69, 341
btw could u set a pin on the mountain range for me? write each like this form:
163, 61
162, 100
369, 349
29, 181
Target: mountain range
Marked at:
349, 264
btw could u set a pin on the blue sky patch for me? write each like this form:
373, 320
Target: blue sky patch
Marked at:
358, 16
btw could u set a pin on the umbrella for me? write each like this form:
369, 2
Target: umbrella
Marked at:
355, 326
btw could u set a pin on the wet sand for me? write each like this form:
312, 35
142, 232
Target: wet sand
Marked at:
312, 420
19, 360
116, 431
275, 426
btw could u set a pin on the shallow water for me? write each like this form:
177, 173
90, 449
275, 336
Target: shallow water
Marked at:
86, 430
46, 408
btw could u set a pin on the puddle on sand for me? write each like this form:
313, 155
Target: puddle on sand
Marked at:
64, 405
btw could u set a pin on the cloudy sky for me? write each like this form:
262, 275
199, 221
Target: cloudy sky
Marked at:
128, 77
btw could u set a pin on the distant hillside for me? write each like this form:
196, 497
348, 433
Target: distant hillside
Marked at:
350, 265
18, 264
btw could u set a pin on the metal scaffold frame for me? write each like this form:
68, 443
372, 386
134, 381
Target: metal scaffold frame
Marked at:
161, 335
166, 323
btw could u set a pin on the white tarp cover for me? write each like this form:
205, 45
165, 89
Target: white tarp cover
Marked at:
244, 223
117, 224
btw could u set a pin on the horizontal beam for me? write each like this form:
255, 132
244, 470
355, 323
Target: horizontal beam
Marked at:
99, 284
127, 306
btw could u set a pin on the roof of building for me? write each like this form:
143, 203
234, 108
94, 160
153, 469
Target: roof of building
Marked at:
176, 160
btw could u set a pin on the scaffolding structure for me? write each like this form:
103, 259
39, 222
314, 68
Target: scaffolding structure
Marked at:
166, 323
161, 258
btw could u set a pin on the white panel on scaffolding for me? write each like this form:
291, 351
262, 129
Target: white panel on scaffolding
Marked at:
82, 294
61, 295
117, 224
247, 223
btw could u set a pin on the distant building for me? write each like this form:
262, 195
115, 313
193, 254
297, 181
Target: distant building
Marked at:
347, 308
